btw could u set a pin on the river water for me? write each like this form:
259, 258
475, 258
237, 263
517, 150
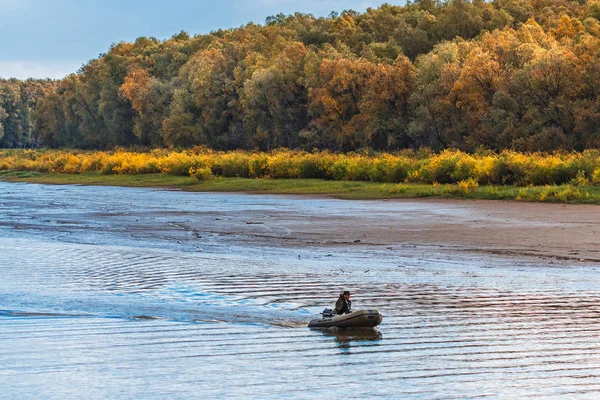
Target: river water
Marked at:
140, 293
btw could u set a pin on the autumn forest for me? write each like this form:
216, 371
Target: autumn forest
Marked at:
507, 74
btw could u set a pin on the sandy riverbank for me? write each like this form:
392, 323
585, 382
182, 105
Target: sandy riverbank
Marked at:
555, 232
552, 231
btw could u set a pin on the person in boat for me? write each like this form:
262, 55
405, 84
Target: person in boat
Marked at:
344, 304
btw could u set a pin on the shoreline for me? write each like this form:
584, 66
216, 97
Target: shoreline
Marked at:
345, 190
545, 233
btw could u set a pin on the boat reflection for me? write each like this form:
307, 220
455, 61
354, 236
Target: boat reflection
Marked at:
348, 339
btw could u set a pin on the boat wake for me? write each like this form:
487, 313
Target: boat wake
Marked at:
179, 303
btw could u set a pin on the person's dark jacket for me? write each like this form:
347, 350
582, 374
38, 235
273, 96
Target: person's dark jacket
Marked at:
342, 306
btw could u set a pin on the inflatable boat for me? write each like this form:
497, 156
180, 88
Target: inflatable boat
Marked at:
355, 319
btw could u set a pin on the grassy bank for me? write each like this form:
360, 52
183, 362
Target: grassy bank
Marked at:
337, 189
560, 177
420, 167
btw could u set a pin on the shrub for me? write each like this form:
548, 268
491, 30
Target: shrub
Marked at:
258, 165
445, 167
380, 169
284, 165
92, 162
400, 169
596, 177
580, 180
358, 168
462, 188
316, 166
232, 165
176, 164
338, 169
202, 174
545, 171
464, 171
567, 193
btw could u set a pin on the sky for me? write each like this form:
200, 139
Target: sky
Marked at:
53, 38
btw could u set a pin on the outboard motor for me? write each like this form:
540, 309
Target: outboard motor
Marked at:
327, 313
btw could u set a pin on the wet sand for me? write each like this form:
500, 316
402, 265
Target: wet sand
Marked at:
547, 233
551, 232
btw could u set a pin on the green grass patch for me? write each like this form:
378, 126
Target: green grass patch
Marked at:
337, 189
18, 174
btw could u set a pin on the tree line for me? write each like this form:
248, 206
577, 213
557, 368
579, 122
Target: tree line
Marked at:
18, 100
506, 74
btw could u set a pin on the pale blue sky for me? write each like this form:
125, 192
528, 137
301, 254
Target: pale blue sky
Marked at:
52, 38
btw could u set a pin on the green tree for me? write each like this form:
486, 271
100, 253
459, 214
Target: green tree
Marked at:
274, 101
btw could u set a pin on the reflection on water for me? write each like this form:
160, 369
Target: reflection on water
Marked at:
124, 305
346, 339
352, 335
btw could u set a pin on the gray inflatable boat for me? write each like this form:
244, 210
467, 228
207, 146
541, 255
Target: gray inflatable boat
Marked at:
355, 319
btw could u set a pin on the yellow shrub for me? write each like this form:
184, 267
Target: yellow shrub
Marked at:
93, 162
202, 174
462, 187
258, 165
358, 168
450, 166
284, 165
176, 164
234, 164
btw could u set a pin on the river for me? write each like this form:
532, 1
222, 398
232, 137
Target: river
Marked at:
140, 293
